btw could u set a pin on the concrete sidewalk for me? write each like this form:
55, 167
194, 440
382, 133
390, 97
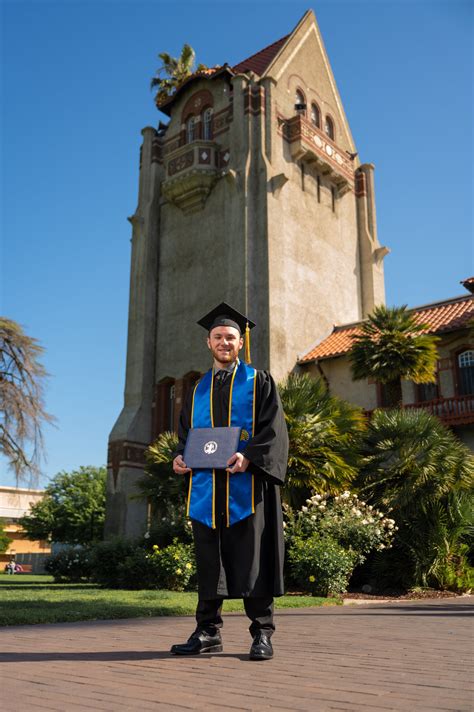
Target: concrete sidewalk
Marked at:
413, 655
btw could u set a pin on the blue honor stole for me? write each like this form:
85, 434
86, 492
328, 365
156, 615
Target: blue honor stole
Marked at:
240, 485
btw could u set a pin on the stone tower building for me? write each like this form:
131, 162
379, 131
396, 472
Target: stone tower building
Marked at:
252, 194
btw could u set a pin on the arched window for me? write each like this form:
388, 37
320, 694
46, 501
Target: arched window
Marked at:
207, 125
300, 102
466, 372
190, 129
315, 116
329, 127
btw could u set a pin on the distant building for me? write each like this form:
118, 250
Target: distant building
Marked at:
253, 193
451, 398
15, 502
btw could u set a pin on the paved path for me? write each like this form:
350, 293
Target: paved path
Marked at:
396, 656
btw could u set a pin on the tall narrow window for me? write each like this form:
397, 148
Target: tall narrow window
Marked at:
329, 127
207, 125
302, 175
466, 372
315, 116
333, 198
190, 129
300, 103
319, 189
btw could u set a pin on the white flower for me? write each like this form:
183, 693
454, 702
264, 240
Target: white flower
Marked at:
313, 517
382, 546
308, 501
380, 515
346, 494
392, 521
304, 509
353, 510
371, 520
378, 532
358, 513
284, 525
390, 525
364, 521
370, 507
317, 497
321, 506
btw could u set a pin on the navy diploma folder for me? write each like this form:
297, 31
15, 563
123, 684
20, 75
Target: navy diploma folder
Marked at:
210, 448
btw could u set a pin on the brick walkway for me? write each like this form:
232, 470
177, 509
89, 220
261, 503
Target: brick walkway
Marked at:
395, 656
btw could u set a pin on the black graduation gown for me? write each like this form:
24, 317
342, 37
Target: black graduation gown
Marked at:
245, 559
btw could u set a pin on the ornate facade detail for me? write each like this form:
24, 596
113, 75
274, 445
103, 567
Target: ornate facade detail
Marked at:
122, 453
311, 145
192, 171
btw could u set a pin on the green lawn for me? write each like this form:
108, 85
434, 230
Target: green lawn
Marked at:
26, 599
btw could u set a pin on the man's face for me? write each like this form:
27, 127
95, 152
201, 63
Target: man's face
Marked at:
225, 343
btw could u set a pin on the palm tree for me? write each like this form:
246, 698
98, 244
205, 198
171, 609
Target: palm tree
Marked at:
392, 345
324, 432
177, 68
417, 469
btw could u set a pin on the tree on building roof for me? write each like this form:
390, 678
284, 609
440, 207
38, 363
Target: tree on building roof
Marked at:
392, 345
22, 411
177, 69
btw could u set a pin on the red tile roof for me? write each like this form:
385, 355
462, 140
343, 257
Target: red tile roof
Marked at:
441, 317
259, 61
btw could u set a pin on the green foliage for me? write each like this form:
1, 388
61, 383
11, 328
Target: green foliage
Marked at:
178, 70
4, 539
391, 345
72, 510
176, 566
321, 565
106, 559
324, 433
357, 526
417, 469
72, 565
166, 492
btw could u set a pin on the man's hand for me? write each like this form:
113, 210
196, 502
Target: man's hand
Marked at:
179, 466
237, 463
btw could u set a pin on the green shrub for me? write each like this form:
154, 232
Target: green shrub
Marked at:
352, 523
71, 565
107, 556
138, 571
321, 565
175, 566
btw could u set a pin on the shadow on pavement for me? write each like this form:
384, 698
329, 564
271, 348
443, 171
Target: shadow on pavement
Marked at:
109, 656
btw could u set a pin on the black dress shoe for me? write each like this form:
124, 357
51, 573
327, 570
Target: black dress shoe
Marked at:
261, 647
199, 642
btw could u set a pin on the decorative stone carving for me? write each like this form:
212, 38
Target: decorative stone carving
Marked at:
192, 172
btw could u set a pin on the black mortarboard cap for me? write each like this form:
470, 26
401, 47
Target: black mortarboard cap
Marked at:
225, 315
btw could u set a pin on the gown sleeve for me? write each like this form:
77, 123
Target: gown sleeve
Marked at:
267, 450
184, 423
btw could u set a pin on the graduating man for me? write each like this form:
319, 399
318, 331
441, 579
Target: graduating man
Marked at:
236, 513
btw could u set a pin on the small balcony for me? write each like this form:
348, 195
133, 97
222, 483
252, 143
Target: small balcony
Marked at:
191, 173
311, 145
457, 410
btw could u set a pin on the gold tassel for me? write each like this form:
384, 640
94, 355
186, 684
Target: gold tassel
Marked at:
247, 344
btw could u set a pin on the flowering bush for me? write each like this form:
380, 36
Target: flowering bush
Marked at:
175, 566
355, 525
329, 536
72, 565
321, 565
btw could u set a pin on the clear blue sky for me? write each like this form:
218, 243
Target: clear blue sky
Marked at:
75, 95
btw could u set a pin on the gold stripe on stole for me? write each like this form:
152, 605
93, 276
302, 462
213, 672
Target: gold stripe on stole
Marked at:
253, 433
191, 473
229, 421
213, 471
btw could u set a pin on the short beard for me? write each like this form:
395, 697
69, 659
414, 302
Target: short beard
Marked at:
218, 357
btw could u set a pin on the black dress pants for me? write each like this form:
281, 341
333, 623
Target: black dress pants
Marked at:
259, 610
